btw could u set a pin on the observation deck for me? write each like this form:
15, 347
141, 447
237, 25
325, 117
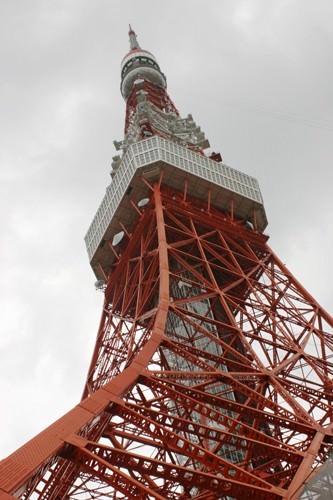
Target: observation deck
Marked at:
146, 159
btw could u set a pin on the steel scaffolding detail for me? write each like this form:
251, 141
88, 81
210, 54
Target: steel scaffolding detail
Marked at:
211, 376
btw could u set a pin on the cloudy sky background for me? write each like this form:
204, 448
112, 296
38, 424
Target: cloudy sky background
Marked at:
257, 75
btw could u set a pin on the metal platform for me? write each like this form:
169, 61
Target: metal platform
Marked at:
147, 159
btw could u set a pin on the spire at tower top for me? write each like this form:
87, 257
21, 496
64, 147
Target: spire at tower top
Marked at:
139, 62
134, 44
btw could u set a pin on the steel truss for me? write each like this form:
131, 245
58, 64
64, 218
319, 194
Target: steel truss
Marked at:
211, 376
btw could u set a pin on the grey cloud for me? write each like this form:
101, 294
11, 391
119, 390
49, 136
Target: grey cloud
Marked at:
256, 75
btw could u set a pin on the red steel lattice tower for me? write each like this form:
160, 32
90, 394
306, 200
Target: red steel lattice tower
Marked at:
211, 376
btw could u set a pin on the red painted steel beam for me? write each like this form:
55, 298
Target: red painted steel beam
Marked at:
203, 356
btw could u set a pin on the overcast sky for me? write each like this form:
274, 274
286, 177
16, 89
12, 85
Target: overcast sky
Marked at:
257, 75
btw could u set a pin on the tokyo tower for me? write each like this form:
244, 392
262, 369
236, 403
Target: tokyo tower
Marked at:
211, 376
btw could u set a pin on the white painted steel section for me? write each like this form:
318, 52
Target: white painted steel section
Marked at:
137, 53
153, 150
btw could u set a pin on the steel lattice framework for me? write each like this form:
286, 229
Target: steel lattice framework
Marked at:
212, 372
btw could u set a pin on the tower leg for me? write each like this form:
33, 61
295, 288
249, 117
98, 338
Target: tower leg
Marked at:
200, 382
